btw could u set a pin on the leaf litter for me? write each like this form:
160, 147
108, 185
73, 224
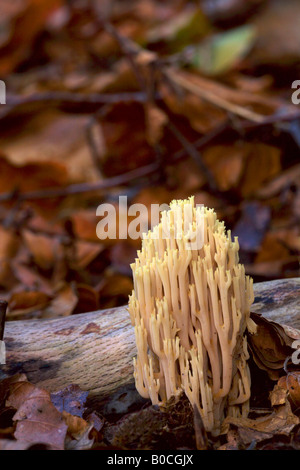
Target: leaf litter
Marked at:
192, 99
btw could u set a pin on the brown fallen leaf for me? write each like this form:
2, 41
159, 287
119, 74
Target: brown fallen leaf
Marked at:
88, 299
274, 269
30, 279
289, 387
232, 441
271, 248
271, 346
44, 130
119, 152
24, 23
85, 253
19, 391
289, 237
26, 302
226, 163
114, 290
202, 116
278, 34
31, 176
262, 164
79, 430
9, 243
63, 304
84, 223
44, 249
6, 385
278, 395
244, 104
97, 421
38, 421
281, 421
280, 183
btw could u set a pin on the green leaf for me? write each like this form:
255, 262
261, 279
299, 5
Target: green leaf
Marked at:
181, 30
221, 52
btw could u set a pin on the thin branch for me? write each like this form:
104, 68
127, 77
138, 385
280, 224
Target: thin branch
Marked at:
73, 189
213, 98
3, 308
223, 103
83, 102
119, 180
195, 154
128, 47
204, 140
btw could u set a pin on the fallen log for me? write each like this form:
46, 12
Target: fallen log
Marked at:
95, 350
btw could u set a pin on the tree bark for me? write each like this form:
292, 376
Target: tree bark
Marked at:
95, 350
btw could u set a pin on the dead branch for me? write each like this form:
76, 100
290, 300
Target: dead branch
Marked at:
82, 188
85, 103
95, 350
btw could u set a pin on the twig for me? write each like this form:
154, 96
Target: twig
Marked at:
3, 308
73, 189
85, 103
194, 153
204, 140
219, 101
119, 180
128, 47
213, 98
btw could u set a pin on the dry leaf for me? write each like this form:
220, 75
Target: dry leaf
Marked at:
84, 224
263, 163
63, 304
271, 345
78, 433
71, 399
23, 303
290, 387
226, 163
44, 249
24, 28
32, 176
38, 421
44, 131
281, 421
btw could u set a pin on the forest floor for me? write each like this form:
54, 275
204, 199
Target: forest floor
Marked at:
153, 101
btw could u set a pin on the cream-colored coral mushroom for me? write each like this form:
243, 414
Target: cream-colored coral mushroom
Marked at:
191, 309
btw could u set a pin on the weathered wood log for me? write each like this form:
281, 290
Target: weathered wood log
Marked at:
279, 301
95, 350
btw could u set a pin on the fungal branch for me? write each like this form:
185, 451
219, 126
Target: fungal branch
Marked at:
191, 309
